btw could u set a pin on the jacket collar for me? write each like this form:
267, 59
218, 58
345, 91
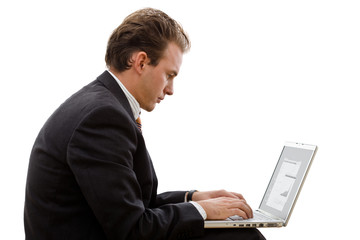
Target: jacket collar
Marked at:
111, 84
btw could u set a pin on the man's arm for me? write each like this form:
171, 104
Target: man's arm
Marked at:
170, 197
101, 156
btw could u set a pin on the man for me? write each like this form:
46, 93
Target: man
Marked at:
90, 175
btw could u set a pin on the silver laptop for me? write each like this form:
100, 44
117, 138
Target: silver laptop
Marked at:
282, 192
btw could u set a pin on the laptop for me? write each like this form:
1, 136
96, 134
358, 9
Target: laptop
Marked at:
282, 192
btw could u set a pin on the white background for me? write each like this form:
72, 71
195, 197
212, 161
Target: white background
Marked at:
259, 73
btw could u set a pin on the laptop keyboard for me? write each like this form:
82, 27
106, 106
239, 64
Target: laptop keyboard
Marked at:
257, 217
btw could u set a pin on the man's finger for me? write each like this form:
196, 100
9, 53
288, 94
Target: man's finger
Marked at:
238, 195
243, 206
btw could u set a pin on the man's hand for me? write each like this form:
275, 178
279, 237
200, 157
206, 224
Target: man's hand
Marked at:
222, 204
198, 196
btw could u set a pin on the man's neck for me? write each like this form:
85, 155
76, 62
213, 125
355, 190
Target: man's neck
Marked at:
128, 78
125, 85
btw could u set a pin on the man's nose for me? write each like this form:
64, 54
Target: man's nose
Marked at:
169, 89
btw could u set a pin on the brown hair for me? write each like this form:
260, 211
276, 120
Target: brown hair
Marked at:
149, 30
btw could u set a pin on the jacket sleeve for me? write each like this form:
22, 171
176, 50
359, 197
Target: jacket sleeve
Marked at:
170, 197
101, 157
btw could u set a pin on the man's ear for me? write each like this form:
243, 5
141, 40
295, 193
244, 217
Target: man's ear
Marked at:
140, 60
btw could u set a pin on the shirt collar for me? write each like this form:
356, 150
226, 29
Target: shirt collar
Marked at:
135, 106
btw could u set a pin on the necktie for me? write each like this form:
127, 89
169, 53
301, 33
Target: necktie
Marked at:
138, 122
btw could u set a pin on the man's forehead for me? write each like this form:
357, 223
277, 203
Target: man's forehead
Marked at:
173, 57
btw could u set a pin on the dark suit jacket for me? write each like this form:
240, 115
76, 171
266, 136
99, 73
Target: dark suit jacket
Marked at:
91, 177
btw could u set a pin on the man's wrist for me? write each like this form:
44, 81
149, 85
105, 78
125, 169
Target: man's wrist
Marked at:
200, 209
189, 195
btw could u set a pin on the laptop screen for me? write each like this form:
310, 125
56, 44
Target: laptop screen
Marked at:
287, 179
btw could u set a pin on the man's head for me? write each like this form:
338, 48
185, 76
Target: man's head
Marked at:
148, 30
145, 52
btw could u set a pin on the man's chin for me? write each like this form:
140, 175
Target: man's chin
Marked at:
148, 108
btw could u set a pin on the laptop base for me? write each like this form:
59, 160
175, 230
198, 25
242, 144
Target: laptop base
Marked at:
237, 222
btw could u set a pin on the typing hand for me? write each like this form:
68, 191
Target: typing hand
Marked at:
224, 207
222, 204
216, 194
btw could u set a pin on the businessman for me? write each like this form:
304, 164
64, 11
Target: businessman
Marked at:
90, 175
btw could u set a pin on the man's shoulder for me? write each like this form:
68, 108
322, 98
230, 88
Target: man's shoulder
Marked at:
91, 99
93, 95
97, 94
